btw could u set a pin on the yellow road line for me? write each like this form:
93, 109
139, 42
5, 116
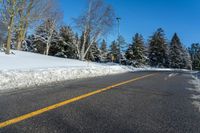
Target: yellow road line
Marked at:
54, 106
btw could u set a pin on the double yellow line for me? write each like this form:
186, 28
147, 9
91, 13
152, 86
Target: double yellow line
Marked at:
57, 105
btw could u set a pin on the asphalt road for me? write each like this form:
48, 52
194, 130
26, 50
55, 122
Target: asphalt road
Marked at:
159, 103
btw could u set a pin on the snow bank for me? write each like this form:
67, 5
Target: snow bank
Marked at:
196, 97
25, 69
18, 78
196, 82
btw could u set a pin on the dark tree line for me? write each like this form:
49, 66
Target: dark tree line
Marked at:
159, 53
194, 51
49, 37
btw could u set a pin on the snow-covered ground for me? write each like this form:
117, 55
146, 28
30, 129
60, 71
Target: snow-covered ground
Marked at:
196, 97
25, 69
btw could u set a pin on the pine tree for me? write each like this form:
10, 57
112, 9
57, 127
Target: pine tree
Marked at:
94, 53
178, 57
29, 44
194, 52
66, 46
122, 43
135, 52
114, 52
187, 59
104, 51
158, 49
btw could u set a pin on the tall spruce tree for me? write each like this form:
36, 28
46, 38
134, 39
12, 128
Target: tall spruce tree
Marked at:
121, 43
135, 53
158, 49
114, 52
178, 56
194, 51
94, 53
104, 51
66, 47
187, 59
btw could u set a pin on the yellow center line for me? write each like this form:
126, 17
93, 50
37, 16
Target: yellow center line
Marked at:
57, 105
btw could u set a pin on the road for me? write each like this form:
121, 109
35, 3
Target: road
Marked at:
140, 102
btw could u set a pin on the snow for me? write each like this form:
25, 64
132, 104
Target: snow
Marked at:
172, 75
196, 97
25, 69
25, 60
196, 82
196, 104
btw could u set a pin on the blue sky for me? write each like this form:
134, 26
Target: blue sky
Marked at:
145, 16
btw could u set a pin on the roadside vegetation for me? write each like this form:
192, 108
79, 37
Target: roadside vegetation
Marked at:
36, 26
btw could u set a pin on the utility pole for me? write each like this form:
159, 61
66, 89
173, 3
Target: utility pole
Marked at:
118, 35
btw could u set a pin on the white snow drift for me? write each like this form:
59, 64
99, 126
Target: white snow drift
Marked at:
25, 69
196, 97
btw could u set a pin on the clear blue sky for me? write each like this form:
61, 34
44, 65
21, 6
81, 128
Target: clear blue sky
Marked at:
145, 16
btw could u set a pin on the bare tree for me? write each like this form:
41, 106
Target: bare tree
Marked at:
32, 12
47, 32
8, 14
23, 16
94, 23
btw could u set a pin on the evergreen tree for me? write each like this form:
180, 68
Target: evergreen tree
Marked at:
104, 51
66, 47
121, 43
28, 44
114, 52
178, 55
135, 53
158, 49
194, 52
94, 53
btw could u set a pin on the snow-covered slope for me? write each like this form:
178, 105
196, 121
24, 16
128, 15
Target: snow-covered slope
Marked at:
24, 69
25, 60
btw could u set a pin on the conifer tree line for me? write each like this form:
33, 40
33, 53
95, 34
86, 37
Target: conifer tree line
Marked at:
36, 26
158, 52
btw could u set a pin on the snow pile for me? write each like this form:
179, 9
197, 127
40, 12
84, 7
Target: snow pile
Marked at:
196, 97
24, 69
19, 78
148, 68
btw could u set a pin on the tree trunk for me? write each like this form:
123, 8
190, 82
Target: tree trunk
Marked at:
8, 42
47, 49
82, 51
20, 39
